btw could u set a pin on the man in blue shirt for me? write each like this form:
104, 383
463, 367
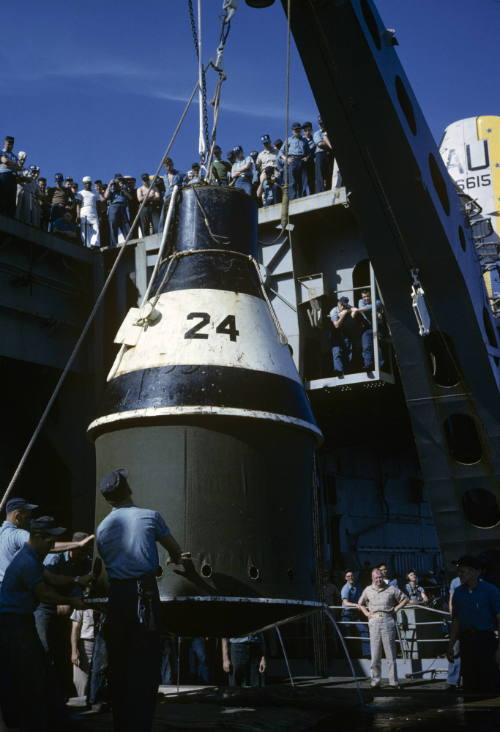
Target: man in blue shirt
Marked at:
244, 659
126, 541
454, 671
242, 170
350, 594
297, 154
475, 618
117, 195
342, 336
13, 534
24, 662
385, 574
53, 622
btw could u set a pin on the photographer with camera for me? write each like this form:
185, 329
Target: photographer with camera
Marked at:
342, 336
269, 192
117, 195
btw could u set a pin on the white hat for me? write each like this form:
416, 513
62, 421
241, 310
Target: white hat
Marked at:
21, 154
86, 179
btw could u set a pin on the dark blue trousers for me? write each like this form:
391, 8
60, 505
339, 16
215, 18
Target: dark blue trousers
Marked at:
245, 184
134, 655
99, 671
28, 689
479, 670
295, 169
8, 188
245, 659
323, 169
342, 353
118, 221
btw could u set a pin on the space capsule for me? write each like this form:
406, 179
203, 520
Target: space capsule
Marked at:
205, 408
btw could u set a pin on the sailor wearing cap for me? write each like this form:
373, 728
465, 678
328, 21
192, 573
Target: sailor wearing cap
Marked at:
242, 170
342, 335
86, 201
126, 541
13, 533
475, 608
24, 663
323, 158
297, 152
266, 157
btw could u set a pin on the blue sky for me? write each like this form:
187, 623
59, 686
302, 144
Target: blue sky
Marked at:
97, 89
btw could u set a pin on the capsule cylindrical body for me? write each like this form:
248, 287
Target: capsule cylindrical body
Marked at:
205, 408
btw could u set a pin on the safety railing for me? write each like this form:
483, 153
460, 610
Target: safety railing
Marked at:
408, 637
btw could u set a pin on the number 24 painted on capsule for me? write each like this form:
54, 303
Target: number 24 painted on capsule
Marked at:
225, 327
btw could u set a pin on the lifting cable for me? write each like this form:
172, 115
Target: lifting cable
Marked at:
93, 312
285, 200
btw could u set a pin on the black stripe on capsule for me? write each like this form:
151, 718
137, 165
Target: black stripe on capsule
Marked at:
213, 271
217, 386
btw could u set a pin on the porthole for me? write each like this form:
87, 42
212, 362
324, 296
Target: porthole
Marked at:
159, 572
463, 440
490, 331
406, 105
439, 184
442, 359
462, 239
253, 572
481, 508
206, 570
371, 23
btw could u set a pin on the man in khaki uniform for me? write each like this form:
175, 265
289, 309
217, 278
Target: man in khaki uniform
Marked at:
380, 603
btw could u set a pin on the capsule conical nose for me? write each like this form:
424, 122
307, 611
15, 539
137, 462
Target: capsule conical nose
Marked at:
205, 408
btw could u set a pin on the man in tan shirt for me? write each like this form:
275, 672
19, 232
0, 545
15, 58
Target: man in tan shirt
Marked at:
380, 603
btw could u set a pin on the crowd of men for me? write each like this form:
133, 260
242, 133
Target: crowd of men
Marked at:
117, 655
473, 650
97, 213
46, 624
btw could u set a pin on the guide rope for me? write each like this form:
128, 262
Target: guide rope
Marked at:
93, 312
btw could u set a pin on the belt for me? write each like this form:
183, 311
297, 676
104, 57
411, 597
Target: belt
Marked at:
382, 613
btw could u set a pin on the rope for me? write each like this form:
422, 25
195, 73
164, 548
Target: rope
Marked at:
190, 252
285, 201
92, 315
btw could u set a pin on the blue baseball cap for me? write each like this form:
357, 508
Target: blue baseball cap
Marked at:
59, 176
265, 138
19, 504
237, 149
344, 300
114, 483
296, 126
46, 525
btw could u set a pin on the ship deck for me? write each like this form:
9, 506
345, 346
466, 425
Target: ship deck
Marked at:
316, 704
